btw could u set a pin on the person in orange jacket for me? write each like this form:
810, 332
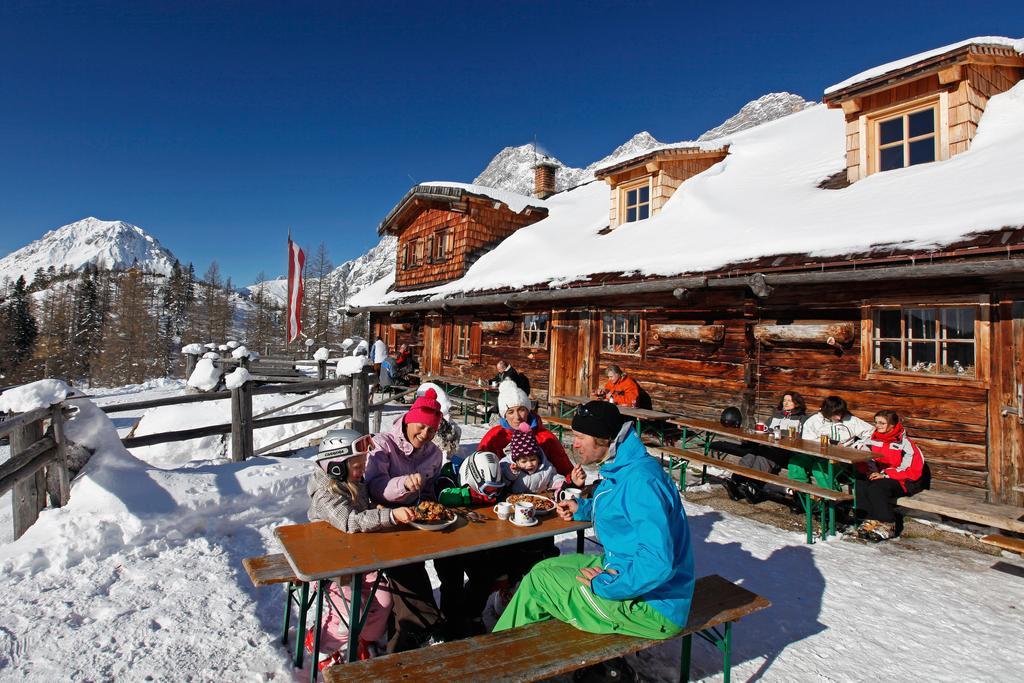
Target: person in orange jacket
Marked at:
620, 389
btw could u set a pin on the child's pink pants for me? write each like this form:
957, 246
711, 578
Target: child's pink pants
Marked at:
334, 634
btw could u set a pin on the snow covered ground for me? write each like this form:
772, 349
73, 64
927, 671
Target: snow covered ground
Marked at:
140, 578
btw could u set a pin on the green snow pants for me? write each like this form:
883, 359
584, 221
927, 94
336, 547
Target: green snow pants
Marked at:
551, 591
799, 464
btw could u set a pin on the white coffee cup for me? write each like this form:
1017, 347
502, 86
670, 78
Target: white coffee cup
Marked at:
524, 513
568, 494
503, 510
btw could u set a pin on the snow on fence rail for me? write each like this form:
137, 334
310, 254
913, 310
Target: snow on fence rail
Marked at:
31, 452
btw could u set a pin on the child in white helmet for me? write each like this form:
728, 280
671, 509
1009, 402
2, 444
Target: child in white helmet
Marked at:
338, 496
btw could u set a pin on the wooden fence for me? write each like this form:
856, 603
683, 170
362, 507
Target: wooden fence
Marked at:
31, 451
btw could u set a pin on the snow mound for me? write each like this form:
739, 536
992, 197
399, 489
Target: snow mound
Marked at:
321, 354
41, 394
206, 375
192, 348
350, 365
237, 378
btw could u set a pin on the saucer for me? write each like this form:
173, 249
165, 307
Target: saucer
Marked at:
535, 522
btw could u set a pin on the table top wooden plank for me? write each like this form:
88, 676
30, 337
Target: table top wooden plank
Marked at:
843, 454
319, 551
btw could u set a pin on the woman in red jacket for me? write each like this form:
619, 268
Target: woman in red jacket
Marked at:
514, 409
897, 470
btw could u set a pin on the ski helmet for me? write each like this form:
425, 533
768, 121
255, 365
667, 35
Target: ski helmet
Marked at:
481, 473
731, 417
337, 447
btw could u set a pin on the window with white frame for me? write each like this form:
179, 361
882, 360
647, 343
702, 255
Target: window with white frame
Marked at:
463, 339
621, 333
442, 245
535, 331
925, 340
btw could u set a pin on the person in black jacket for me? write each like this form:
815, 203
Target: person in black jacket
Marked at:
506, 371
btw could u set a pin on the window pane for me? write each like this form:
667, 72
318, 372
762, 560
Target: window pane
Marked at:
630, 215
887, 356
887, 324
921, 357
921, 123
890, 131
921, 323
958, 323
644, 194
958, 359
643, 211
922, 151
631, 198
890, 158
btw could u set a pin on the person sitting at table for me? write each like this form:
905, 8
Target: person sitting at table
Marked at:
643, 584
897, 470
388, 376
514, 408
790, 413
338, 496
620, 389
506, 371
835, 422
400, 470
524, 465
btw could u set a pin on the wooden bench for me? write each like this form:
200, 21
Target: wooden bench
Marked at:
1014, 545
542, 650
274, 569
1005, 517
679, 459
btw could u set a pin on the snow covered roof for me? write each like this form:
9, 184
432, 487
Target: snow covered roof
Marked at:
450, 191
1016, 44
763, 199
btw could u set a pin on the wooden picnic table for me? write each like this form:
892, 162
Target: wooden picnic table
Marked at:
319, 553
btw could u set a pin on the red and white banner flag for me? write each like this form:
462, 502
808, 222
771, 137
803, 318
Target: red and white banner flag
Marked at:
296, 261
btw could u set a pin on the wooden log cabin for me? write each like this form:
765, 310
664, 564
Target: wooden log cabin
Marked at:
841, 250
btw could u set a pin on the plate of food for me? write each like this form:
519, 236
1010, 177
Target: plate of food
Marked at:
432, 516
541, 505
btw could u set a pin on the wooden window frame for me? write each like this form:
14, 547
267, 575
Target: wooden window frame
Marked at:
543, 334
458, 351
641, 334
442, 244
870, 122
982, 335
624, 190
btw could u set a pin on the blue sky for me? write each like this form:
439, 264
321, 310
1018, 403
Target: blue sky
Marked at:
216, 126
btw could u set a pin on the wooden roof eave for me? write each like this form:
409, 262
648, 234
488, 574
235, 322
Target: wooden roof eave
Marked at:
967, 54
658, 157
760, 283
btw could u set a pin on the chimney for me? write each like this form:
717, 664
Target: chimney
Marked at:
544, 178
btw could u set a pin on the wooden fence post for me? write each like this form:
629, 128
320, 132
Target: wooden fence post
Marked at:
360, 402
58, 483
321, 370
29, 496
241, 422
190, 364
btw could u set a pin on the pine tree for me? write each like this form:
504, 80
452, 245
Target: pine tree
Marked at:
18, 318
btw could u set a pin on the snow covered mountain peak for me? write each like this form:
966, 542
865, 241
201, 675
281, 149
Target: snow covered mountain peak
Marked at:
766, 108
512, 169
106, 244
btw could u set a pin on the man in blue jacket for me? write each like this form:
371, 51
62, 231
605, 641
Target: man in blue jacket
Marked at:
643, 584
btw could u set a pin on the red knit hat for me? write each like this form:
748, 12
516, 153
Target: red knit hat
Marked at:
425, 410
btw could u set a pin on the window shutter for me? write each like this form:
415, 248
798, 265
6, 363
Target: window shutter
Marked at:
475, 342
401, 258
430, 250
446, 341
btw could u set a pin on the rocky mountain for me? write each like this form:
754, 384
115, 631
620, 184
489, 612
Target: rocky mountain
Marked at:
106, 244
512, 168
766, 108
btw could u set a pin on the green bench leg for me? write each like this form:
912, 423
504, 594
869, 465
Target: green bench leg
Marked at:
684, 659
579, 541
321, 589
806, 500
289, 589
355, 624
300, 633
721, 641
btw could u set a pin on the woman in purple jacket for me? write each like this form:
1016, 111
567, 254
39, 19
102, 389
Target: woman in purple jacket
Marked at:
400, 470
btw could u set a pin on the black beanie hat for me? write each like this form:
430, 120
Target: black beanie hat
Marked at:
599, 419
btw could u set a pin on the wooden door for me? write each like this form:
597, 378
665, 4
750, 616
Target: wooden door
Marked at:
431, 359
572, 352
1006, 405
